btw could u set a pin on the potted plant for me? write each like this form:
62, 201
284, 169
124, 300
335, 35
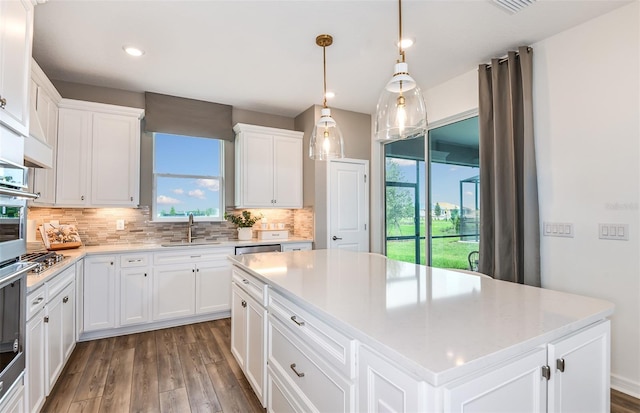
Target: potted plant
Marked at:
244, 222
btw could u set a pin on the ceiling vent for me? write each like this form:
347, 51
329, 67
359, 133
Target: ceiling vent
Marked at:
513, 6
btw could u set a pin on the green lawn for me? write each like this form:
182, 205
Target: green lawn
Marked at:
446, 252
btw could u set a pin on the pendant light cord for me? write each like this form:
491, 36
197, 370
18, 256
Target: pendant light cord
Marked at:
324, 71
400, 50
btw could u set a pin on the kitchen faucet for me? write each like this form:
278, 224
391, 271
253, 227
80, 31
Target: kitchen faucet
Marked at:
189, 229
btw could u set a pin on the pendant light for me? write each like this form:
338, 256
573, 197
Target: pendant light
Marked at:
401, 112
326, 139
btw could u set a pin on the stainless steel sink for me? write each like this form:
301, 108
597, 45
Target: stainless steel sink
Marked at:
192, 244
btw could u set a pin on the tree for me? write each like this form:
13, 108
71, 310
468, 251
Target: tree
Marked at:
399, 202
437, 210
455, 219
172, 211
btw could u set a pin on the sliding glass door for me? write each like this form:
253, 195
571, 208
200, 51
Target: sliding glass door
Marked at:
441, 229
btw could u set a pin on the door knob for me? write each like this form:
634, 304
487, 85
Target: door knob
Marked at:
335, 238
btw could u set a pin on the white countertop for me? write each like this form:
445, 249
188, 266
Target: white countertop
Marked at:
73, 255
439, 324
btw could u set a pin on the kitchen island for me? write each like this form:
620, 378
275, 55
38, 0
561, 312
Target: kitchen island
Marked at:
383, 334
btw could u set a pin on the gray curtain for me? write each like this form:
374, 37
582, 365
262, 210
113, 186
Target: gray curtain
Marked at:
189, 117
509, 228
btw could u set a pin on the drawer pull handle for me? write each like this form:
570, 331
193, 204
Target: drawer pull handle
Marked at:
65, 299
295, 320
293, 367
560, 365
38, 301
138, 260
195, 256
244, 303
245, 281
3, 103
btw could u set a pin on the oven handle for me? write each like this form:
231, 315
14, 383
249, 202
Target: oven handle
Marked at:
17, 193
16, 275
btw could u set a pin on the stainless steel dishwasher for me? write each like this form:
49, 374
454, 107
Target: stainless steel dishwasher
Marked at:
258, 248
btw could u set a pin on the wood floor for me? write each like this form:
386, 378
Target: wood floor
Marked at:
182, 369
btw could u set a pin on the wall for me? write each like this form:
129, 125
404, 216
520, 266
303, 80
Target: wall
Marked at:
356, 133
587, 131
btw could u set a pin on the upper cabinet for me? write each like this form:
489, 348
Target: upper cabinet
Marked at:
16, 34
98, 155
268, 167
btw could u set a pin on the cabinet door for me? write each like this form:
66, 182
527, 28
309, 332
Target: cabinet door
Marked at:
257, 170
173, 291
79, 301
514, 387
35, 369
99, 293
74, 143
580, 371
68, 321
238, 325
255, 361
115, 160
213, 286
16, 32
287, 177
134, 295
54, 351
14, 401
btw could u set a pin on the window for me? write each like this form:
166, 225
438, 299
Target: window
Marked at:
187, 178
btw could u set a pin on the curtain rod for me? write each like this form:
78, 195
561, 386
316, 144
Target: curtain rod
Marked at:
504, 59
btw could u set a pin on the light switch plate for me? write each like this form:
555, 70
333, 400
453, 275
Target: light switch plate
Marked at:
619, 232
557, 229
120, 225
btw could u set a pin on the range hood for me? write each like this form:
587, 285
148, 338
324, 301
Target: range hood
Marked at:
37, 153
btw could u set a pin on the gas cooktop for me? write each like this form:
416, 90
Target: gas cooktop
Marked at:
44, 259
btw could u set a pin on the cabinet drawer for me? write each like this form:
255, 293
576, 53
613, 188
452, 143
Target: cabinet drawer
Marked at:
59, 282
134, 260
333, 346
312, 379
302, 246
35, 301
189, 255
254, 287
278, 398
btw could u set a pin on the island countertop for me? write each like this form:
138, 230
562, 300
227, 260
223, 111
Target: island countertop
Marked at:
439, 324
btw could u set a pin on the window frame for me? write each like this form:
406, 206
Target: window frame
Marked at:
155, 175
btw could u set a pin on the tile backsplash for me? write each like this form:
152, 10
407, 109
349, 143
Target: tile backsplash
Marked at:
97, 226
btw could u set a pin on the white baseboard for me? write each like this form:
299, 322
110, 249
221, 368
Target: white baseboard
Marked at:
624, 385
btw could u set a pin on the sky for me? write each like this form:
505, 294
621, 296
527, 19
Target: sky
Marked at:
183, 155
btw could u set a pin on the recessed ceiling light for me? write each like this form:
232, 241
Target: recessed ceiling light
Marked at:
133, 51
406, 43
330, 95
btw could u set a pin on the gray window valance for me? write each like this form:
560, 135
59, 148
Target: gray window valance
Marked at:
181, 116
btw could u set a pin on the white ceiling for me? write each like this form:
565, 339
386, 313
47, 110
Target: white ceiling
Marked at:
262, 56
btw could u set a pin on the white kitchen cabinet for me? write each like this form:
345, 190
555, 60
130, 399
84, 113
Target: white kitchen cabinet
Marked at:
135, 289
580, 366
248, 333
173, 291
79, 268
50, 335
98, 155
297, 246
268, 167
99, 293
213, 286
35, 353
16, 34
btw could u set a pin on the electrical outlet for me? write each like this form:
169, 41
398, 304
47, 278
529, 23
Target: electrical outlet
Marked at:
558, 229
618, 232
120, 225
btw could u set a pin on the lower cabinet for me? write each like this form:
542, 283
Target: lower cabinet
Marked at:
99, 292
135, 289
248, 332
50, 335
173, 291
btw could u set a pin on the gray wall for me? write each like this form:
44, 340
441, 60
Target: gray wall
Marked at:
100, 94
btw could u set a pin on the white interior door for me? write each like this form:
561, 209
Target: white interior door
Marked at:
349, 205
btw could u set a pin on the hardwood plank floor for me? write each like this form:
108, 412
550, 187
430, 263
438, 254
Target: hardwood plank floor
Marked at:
183, 369
175, 370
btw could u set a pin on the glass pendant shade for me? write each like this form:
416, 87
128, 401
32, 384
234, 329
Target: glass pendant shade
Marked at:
326, 139
401, 112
